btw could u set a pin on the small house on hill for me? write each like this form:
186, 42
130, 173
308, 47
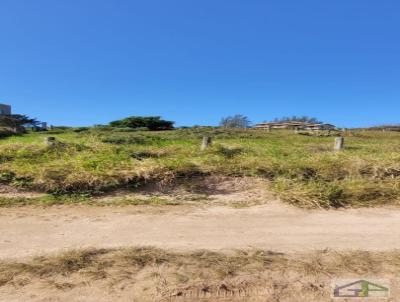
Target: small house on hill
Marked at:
294, 125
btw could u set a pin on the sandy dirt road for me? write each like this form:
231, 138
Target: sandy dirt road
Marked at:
32, 231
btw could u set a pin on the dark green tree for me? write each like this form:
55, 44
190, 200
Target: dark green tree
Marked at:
17, 121
295, 118
152, 123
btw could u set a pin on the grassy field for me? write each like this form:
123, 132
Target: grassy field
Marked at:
302, 170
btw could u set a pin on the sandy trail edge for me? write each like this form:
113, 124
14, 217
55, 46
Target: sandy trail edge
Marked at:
31, 231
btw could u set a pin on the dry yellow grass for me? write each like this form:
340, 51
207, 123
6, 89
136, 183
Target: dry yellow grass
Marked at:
149, 274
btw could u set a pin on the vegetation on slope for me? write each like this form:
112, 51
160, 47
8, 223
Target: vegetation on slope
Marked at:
303, 170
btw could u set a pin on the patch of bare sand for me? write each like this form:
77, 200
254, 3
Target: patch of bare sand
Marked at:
195, 191
275, 226
12, 192
205, 190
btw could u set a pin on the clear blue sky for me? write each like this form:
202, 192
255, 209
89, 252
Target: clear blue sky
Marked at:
83, 62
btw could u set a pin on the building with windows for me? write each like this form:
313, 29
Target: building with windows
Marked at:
294, 125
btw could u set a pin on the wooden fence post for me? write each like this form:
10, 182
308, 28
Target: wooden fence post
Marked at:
205, 143
339, 144
50, 141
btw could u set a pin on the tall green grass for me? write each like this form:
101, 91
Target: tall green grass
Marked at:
303, 170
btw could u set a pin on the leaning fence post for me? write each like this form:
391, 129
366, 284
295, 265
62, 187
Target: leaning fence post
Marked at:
205, 143
339, 143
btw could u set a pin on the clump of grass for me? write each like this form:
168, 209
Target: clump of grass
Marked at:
51, 200
45, 267
311, 193
339, 193
153, 201
229, 152
46, 200
142, 154
124, 138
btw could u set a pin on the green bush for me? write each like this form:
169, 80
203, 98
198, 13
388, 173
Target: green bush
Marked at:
6, 132
81, 129
152, 123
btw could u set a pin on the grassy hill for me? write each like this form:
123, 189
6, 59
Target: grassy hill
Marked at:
302, 170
